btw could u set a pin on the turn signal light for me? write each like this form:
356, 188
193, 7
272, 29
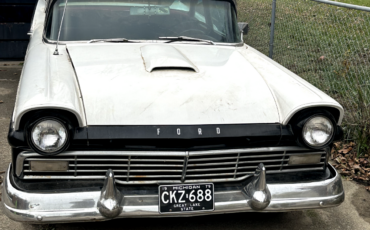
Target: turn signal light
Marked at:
304, 159
49, 166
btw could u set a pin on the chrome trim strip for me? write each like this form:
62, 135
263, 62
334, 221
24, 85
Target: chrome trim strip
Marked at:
230, 163
115, 170
234, 158
249, 150
266, 166
306, 153
112, 153
60, 207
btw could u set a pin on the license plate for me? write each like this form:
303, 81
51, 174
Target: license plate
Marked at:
186, 198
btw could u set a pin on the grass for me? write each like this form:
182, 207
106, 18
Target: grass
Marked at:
326, 45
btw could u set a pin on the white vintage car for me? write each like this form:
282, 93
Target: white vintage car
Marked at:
133, 108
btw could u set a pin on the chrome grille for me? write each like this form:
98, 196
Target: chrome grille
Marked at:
151, 167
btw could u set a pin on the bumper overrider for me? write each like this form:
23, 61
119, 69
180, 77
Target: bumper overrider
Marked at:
79, 206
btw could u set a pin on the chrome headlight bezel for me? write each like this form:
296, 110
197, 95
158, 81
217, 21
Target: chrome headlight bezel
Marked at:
331, 137
299, 121
31, 127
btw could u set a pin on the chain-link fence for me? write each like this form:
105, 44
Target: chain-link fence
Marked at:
327, 45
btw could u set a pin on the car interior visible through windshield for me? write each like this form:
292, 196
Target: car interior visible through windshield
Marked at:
213, 20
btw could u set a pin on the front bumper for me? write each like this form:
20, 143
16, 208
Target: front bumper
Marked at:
80, 206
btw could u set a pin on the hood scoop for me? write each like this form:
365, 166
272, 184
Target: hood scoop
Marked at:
163, 57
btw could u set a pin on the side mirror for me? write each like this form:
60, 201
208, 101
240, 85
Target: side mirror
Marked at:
244, 27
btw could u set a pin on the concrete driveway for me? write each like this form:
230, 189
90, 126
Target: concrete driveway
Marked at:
353, 214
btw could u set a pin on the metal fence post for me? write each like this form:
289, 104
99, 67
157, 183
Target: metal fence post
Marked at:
272, 32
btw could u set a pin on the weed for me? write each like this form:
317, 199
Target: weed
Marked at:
326, 45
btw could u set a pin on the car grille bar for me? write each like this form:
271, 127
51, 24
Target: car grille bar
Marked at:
158, 167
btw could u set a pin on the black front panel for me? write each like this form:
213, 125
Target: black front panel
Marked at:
182, 131
183, 137
167, 137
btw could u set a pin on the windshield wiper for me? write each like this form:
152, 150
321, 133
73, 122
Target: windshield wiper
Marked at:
184, 38
110, 40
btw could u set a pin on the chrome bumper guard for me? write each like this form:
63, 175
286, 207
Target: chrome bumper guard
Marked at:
111, 203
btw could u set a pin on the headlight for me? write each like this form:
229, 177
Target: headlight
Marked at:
49, 136
317, 131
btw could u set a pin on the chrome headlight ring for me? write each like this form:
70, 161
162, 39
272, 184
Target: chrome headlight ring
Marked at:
314, 129
48, 136
317, 131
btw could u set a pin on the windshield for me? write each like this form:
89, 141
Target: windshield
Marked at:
143, 20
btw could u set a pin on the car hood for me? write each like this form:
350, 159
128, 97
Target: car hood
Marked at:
163, 84
126, 83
